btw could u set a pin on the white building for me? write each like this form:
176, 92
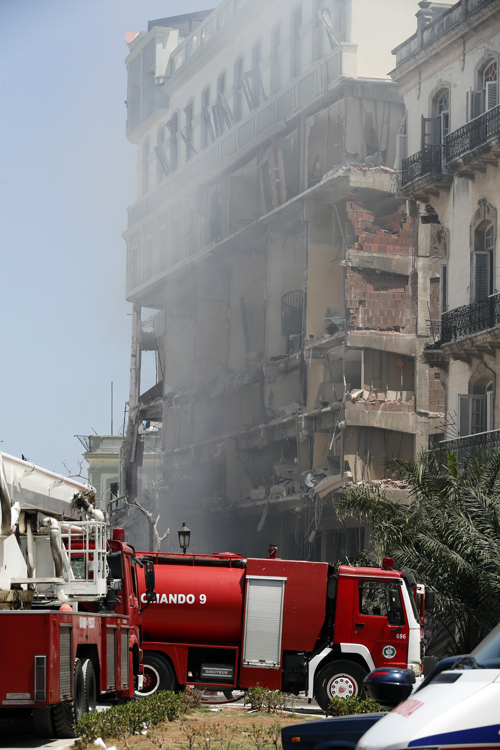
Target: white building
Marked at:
448, 76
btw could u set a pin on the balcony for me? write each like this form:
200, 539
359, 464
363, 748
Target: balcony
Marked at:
424, 171
471, 145
479, 444
470, 319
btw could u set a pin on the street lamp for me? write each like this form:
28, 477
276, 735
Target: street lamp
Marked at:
184, 537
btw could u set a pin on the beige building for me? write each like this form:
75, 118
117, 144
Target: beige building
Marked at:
273, 272
448, 76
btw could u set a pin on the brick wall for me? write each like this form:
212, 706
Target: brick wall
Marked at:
379, 302
436, 391
394, 236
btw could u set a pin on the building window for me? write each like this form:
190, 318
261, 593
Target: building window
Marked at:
317, 37
145, 166
442, 108
238, 90
485, 97
296, 50
189, 112
475, 410
276, 59
482, 262
256, 81
207, 131
173, 126
219, 108
162, 165
490, 86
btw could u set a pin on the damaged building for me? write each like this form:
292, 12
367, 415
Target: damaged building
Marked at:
274, 270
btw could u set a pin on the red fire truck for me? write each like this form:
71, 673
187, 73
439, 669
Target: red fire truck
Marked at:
222, 622
69, 604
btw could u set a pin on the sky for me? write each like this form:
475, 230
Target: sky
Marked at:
67, 175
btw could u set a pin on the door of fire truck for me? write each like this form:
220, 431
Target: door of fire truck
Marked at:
379, 621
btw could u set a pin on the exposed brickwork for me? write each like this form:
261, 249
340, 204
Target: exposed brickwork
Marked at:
434, 299
379, 302
436, 391
395, 235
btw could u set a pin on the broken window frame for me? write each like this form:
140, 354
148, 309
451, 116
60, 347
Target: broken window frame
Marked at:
296, 42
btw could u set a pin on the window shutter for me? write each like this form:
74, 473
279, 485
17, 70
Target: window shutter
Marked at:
263, 622
481, 274
443, 289
428, 135
463, 409
490, 95
474, 104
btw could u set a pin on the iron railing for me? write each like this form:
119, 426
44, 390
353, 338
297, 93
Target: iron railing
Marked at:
427, 161
479, 444
469, 319
475, 133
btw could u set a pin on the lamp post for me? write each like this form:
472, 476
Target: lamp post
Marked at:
184, 537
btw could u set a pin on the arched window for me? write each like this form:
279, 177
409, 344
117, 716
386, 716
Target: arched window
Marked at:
237, 90
145, 166
485, 96
436, 127
475, 409
490, 85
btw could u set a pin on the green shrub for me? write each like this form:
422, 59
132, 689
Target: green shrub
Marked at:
130, 718
347, 706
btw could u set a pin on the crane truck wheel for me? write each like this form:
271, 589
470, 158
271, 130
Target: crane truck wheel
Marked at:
158, 675
67, 714
90, 690
339, 679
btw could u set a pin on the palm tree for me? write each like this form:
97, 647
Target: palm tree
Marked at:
447, 533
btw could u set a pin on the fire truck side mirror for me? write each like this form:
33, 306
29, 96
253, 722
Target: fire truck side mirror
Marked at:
430, 599
149, 580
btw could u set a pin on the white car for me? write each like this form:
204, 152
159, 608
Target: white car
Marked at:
456, 708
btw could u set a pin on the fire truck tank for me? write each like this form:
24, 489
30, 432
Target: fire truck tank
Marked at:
199, 600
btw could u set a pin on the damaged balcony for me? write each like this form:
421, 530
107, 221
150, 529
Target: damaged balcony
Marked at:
423, 173
387, 410
475, 145
479, 443
469, 331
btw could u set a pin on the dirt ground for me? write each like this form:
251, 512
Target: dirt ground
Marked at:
223, 728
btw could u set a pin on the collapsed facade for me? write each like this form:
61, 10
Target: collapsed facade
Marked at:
448, 75
275, 272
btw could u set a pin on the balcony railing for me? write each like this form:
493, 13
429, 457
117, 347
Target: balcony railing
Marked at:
427, 161
479, 444
469, 319
475, 133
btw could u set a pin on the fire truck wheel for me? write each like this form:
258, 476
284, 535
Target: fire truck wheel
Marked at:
67, 714
339, 679
90, 685
43, 722
158, 675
